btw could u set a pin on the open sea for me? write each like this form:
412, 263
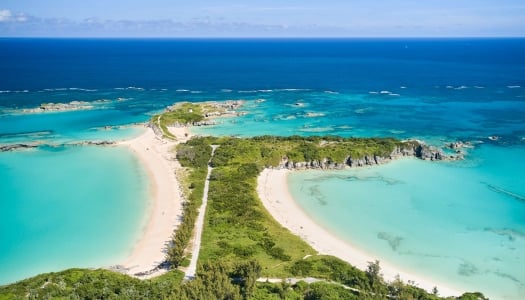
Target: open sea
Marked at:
462, 223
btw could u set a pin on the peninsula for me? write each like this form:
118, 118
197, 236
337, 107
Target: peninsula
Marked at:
252, 229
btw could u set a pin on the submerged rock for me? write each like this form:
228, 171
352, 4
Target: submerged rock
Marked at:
12, 147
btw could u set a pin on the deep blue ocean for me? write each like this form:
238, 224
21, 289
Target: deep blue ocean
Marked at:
437, 90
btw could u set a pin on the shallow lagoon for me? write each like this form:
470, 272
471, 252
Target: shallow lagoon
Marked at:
462, 223
68, 206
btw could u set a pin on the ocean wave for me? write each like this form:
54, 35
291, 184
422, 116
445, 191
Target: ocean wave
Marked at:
102, 101
196, 92
16, 92
82, 90
373, 93
130, 88
226, 90
362, 110
331, 92
316, 129
265, 91
394, 94
314, 114
479, 87
182, 90
402, 87
394, 131
247, 91
385, 92
67, 89
459, 87
292, 90
513, 86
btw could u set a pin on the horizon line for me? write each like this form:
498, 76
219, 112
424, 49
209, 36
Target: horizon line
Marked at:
259, 37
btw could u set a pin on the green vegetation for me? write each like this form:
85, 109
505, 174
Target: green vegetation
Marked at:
241, 241
183, 114
186, 113
238, 228
215, 280
90, 284
193, 155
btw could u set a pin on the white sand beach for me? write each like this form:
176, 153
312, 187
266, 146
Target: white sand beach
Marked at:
165, 206
272, 189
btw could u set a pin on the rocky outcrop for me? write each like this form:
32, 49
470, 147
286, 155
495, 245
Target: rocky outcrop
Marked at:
97, 143
156, 129
60, 107
429, 153
204, 123
12, 147
409, 149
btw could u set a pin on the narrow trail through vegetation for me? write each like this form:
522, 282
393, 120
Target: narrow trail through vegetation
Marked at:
199, 224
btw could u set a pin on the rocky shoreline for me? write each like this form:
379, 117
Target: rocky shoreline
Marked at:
60, 107
411, 148
211, 111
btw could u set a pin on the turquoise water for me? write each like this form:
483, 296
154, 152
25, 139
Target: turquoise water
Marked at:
462, 223
68, 207
458, 221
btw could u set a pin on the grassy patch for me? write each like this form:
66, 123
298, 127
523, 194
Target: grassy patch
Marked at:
237, 227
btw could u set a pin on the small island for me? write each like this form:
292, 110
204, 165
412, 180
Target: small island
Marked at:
60, 107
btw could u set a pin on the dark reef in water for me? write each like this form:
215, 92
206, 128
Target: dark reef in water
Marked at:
13, 147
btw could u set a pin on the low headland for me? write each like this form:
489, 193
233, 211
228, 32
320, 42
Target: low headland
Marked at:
254, 234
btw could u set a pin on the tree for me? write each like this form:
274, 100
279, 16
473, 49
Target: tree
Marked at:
212, 282
375, 278
247, 272
435, 291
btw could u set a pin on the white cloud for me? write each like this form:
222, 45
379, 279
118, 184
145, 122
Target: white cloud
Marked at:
21, 18
5, 15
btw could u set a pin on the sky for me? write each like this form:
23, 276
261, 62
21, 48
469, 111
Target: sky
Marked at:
262, 18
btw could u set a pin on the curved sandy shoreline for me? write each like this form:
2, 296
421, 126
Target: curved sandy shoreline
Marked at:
166, 208
272, 188
165, 203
